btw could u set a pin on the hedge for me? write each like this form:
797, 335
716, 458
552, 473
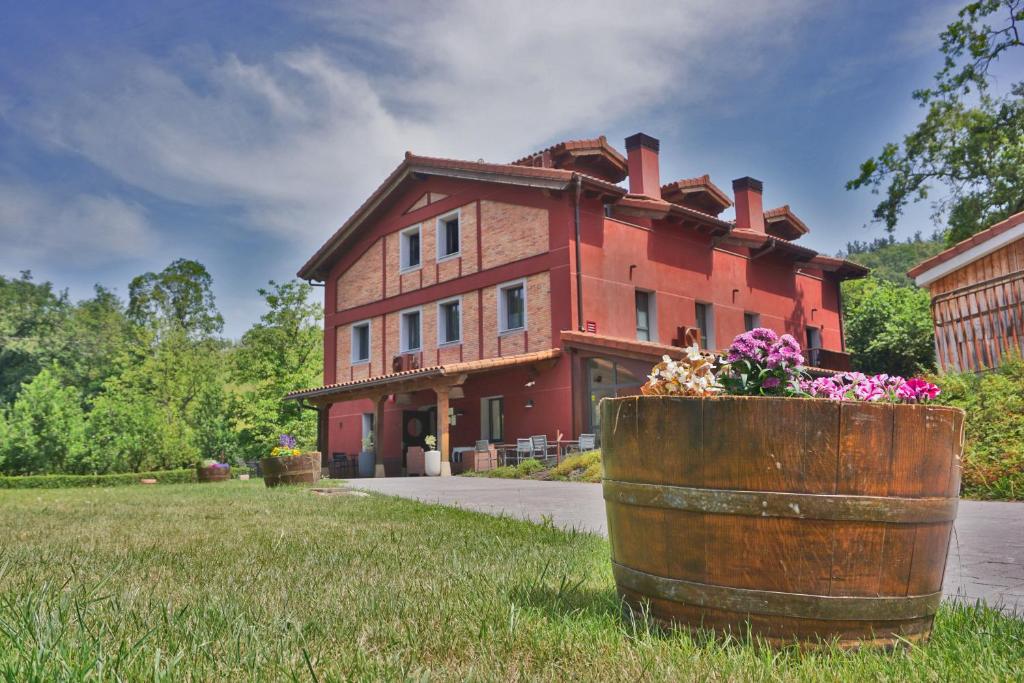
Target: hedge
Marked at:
63, 481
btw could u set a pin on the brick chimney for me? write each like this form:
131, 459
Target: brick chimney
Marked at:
749, 209
642, 159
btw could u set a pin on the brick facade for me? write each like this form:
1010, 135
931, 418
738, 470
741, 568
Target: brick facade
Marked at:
512, 232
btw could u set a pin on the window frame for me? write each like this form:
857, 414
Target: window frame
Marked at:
441, 341
707, 342
402, 334
503, 313
441, 228
652, 314
807, 332
485, 418
403, 249
756, 317
369, 342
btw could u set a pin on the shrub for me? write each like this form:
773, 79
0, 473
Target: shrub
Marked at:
44, 430
993, 464
582, 466
62, 481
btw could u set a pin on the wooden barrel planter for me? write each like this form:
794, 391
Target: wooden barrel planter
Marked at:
294, 469
208, 474
799, 519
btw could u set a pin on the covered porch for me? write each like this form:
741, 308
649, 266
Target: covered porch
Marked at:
496, 400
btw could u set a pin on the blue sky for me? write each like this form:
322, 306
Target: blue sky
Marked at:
242, 134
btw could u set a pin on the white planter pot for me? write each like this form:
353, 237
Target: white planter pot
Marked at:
432, 463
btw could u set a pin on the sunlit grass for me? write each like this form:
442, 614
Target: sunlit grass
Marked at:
234, 581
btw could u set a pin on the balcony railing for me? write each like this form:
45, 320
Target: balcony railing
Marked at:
827, 359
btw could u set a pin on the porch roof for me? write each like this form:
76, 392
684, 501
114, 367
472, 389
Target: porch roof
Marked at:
420, 378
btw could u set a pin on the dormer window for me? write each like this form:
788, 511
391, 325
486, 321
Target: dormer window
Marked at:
409, 248
448, 238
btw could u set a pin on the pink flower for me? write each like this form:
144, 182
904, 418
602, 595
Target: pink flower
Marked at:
771, 382
916, 390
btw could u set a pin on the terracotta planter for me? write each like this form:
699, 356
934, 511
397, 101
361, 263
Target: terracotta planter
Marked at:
295, 469
208, 474
414, 462
480, 461
805, 519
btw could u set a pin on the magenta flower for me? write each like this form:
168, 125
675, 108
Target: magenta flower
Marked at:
771, 382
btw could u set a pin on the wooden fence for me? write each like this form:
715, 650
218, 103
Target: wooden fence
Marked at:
978, 326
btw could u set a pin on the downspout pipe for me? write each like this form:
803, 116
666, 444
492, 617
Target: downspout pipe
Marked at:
578, 182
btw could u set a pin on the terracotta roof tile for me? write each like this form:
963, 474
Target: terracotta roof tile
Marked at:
701, 182
465, 367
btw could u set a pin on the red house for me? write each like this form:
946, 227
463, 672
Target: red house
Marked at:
508, 299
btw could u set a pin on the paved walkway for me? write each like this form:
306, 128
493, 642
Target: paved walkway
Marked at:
986, 556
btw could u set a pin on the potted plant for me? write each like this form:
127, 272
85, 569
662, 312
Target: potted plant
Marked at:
742, 493
367, 456
432, 458
289, 465
210, 470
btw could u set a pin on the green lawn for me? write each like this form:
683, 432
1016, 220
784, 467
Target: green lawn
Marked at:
232, 581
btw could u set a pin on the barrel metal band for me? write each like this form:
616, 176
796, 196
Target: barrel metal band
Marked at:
799, 605
779, 504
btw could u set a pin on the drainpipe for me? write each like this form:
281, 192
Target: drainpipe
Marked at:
578, 182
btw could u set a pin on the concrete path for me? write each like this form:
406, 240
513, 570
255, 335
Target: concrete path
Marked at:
986, 555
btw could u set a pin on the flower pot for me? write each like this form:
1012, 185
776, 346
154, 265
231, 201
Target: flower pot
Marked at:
291, 469
804, 519
366, 464
432, 463
212, 473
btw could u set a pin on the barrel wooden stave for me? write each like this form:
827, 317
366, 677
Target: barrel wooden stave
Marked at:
208, 474
788, 446
297, 469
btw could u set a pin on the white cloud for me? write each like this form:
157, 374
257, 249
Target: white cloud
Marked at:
295, 140
83, 229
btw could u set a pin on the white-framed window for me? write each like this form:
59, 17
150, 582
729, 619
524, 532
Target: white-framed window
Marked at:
409, 249
449, 236
814, 337
512, 306
705, 318
361, 342
751, 321
410, 330
492, 418
449, 321
646, 315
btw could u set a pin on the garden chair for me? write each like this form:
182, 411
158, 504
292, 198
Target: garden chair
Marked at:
588, 442
541, 447
524, 449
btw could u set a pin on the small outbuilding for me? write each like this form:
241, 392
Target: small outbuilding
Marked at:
977, 289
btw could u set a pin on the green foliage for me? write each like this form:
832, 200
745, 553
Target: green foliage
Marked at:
973, 149
129, 430
71, 481
91, 344
280, 353
29, 315
993, 464
180, 296
888, 327
580, 467
44, 429
890, 259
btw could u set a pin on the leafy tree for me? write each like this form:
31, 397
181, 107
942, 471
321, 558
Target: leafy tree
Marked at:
180, 295
281, 353
890, 259
94, 342
29, 315
888, 327
971, 141
129, 431
44, 429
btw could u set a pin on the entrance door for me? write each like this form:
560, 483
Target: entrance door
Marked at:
416, 425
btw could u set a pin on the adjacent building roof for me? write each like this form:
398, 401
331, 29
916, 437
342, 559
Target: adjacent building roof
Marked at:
971, 249
383, 382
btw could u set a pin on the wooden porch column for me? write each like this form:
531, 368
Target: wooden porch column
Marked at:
378, 440
442, 428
